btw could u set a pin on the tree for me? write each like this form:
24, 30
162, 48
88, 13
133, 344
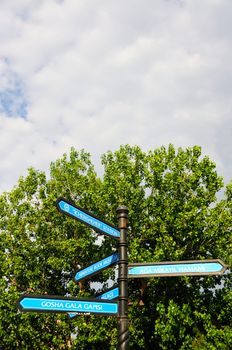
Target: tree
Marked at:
174, 214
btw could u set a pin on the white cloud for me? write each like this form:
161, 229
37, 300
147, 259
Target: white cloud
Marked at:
95, 76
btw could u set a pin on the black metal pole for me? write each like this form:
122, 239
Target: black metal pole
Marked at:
123, 321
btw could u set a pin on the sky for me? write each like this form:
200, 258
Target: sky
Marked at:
95, 75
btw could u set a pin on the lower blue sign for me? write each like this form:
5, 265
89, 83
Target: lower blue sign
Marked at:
177, 268
30, 303
109, 295
95, 268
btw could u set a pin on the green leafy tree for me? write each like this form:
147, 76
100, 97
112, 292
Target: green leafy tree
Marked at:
174, 214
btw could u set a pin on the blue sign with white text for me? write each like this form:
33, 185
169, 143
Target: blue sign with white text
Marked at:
110, 295
98, 266
89, 219
30, 303
184, 268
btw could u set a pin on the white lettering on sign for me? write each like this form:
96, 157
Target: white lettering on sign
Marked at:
97, 266
66, 207
109, 295
87, 218
169, 269
108, 229
73, 305
93, 307
53, 304
85, 272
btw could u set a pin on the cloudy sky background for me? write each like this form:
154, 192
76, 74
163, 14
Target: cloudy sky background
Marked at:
96, 74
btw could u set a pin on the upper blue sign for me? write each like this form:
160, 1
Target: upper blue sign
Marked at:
89, 219
177, 268
95, 268
42, 303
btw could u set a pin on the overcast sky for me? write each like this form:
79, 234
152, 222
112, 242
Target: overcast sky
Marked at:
96, 74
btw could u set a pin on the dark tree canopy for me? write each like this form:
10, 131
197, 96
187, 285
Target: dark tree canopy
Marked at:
174, 214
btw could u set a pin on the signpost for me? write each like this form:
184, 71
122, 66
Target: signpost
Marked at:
177, 268
57, 304
87, 218
97, 267
102, 305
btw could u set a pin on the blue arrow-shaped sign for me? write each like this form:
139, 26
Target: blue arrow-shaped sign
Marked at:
42, 303
96, 267
177, 268
109, 295
87, 218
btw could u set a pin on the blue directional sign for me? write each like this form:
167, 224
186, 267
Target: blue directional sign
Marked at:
109, 295
42, 303
87, 218
177, 268
97, 267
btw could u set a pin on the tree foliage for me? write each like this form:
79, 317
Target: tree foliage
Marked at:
174, 214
